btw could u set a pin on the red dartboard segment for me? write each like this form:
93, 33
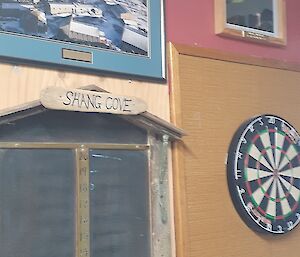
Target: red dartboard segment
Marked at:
263, 173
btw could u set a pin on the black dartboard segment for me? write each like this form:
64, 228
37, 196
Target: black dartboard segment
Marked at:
263, 172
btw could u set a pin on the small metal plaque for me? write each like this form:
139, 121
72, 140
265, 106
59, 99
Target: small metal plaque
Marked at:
75, 55
253, 35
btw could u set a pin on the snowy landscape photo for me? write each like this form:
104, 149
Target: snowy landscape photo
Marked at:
118, 25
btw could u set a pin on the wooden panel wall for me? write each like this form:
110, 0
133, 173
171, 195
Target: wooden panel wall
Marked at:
212, 95
22, 84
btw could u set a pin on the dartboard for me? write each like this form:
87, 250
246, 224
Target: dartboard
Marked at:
263, 173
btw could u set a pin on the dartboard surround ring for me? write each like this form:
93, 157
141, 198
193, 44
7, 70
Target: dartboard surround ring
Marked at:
263, 173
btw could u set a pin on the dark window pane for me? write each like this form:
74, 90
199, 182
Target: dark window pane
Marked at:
256, 14
77, 127
37, 197
119, 204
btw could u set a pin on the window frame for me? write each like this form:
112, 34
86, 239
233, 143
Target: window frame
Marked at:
159, 207
277, 38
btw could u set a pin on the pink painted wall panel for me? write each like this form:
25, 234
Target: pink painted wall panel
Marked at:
191, 22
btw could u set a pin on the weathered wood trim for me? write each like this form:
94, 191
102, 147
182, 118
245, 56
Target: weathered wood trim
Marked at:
161, 219
236, 58
180, 215
83, 202
59, 145
145, 119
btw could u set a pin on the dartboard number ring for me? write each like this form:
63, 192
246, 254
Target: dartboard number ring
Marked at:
263, 173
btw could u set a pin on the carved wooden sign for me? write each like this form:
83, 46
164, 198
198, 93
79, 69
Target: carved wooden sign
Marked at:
89, 101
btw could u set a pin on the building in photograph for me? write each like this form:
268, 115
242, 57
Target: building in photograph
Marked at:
30, 19
110, 2
65, 9
13, 9
25, 1
117, 10
135, 37
132, 10
79, 31
34, 21
129, 19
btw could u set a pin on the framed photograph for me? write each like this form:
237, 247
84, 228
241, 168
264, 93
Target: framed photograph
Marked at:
262, 21
120, 36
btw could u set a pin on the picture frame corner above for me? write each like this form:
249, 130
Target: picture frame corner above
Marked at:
124, 37
259, 22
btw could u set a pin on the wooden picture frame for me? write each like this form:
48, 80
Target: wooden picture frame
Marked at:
262, 24
115, 36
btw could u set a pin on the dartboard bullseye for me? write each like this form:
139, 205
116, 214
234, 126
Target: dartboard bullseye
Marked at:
263, 173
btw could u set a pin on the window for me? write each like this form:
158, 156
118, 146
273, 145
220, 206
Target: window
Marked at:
261, 21
80, 184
